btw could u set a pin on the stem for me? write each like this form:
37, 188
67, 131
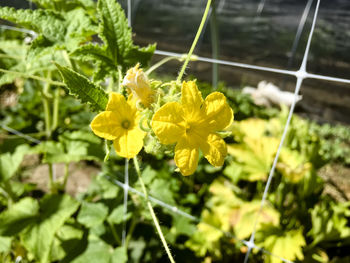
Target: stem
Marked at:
56, 104
199, 31
114, 233
214, 44
131, 230
160, 63
52, 82
66, 174
47, 117
154, 217
125, 203
45, 99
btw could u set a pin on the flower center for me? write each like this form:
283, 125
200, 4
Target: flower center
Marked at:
126, 124
188, 128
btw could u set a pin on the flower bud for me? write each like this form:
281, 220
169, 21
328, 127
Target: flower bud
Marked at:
137, 82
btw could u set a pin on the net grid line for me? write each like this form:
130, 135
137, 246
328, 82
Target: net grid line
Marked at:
300, 75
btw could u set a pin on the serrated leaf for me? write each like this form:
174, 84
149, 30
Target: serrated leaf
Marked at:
84, 89
92, 214
18, 216
114, 29
55, 210
91, 52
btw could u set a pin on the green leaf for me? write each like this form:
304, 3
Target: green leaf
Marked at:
117, 215
5, 244
84, 89
67, 240
119, 255
49, 23
114, 29
92, 214
92, 52
99, 251
139, 55
284, 244
9, 163
55, 210
18, 216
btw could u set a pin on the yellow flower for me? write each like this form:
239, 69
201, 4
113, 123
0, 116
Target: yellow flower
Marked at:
137, 82
192, 124
120, 123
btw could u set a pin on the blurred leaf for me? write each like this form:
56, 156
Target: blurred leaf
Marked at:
92, 214
66, 240
292, 165
255, 156
55, 210
5, 244
207, 238
117, 215
330, 222
243, 218
19, 216
99, 251
9, 163
282, 243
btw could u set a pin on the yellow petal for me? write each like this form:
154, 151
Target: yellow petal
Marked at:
191, 98
214, 149
168, 123
107, 125
186, 156
218, 114
130, 143
118, 104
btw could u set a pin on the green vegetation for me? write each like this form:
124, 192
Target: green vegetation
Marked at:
51, 219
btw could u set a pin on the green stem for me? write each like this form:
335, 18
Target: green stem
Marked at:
199, 31
215, 45
66, 174
114, 233
47, 117
52, 82
154, 217
56, 104
130, 231
160, 63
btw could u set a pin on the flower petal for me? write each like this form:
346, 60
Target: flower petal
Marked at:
186, 156
168, 123
214, 149
107, 125
191, 98
118, 104
130, 143
218, 114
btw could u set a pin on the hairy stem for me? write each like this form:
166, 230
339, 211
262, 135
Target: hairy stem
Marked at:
154, 217
52, 82
199, 31
160, 63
